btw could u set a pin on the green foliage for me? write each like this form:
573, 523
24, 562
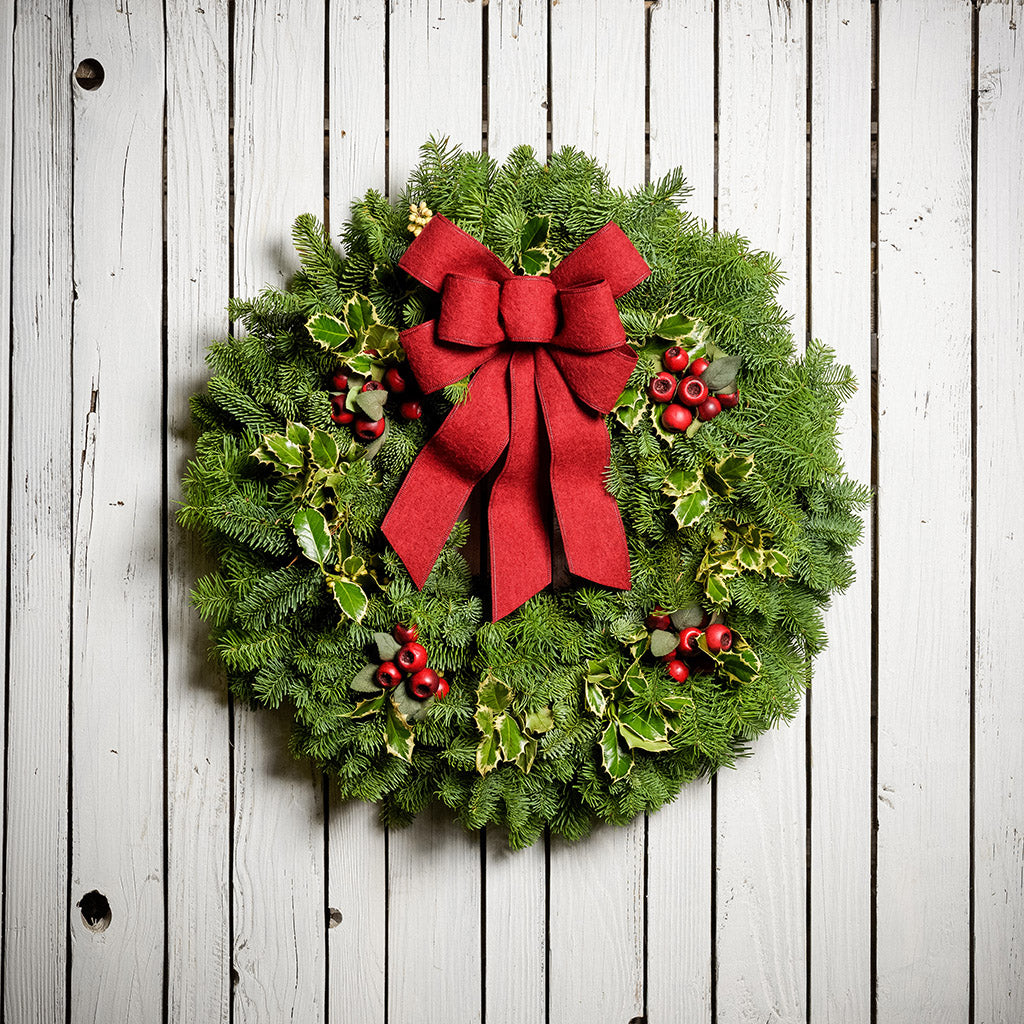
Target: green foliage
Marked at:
751, 517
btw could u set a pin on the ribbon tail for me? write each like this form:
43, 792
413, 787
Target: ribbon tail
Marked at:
588, 517
436, 488
519, 542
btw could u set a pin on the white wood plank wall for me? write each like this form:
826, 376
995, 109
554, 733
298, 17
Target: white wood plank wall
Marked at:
864, 865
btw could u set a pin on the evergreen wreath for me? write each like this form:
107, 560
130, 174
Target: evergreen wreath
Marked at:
586, 702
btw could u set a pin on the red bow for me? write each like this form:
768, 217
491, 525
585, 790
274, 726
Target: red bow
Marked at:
555, 340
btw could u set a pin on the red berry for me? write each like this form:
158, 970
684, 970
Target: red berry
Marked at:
709, 408
729, 400
687, 640
339, 414
394, 381
388, 675
676, 417
662, 387
411, 410
675, 359
423, 683
411, 657
368, 430
373, 385
339, 382
718, 637
658, 620
692, 391
698, 366
441, 691
406, 634
671, 656
678, 671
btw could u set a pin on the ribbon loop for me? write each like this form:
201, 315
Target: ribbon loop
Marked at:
574, 371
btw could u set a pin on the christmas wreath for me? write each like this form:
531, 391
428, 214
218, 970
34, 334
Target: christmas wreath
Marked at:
658, 510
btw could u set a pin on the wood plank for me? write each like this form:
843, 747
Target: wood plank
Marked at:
278, 885
596, 920
198, 725
434, 868
999, 386
515, 883
117, 771
597, 83
840, 723
6, 232
679, 837
35, 886
924, 511
761, 808
436, 79
356, 845
517, 76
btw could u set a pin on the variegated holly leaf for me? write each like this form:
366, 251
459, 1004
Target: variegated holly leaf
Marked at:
776, 562
750, 558
524, 762
487, 753
681, 482
740, 665
540, 721
716, 589
675, 326
324, 450
298, 433
349, 597
646, 727
365, 681
616, 757
629, 409
511, 738
284, 455
329, 332
635, 741
725, 476
689, 508
595, 698
311, 532
365, 708
398, 734
493, 693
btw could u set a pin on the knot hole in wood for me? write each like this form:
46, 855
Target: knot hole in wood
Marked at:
95, 909
89, 74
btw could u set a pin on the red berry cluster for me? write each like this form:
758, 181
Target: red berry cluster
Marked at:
716, 636
690, 392
411, 662
363, 427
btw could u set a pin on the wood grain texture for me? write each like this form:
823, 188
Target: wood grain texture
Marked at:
999, 558
435, 930
356, 847
117, 774
278, 885
198, 725
840, 720
596, 914
435, 79
924, 510
515, 883
679, 925
517, 76
35, 886
761, 808
597, 92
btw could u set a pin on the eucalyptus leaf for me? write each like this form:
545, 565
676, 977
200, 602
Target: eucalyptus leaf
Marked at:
691, 615
387, 646
694, 427
663, 642
414, 710
371, 403
364, 681
721, 374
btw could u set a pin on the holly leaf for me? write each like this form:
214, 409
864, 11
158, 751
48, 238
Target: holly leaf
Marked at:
721, 374
487, 754
716, 589
297, 433
663, 642
329, 332
371, 403
511, 738
681, 482
535, 261
365, 681
674, 326
365, 708
689, 508
740, 665
629, 408
360, 314
493, 693
385, 341
635, 741
324, 449
524, 762
615, 755
728, 474
595, 698
311, 531
387, 646
691, 615
286, 456
349, 597
776, 562
535, 233
540, 721
398, 734
647, 723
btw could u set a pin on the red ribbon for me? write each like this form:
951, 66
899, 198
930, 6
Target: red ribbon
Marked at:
543, 347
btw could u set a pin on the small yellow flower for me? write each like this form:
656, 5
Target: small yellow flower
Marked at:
419, 217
